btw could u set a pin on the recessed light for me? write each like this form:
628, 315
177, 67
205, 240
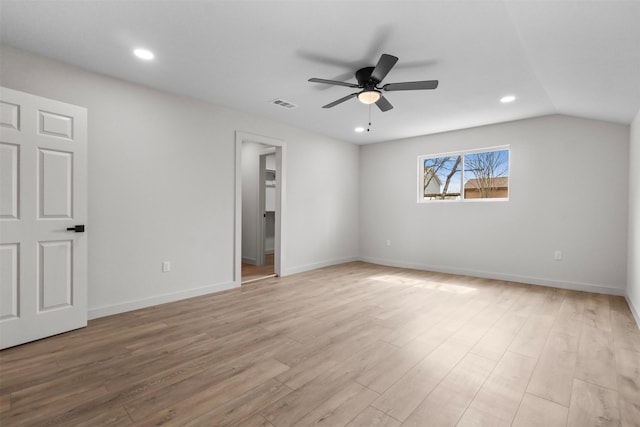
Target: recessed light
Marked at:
507, 99
145, 54
359, 129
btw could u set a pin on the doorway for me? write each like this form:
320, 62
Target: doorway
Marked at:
261, 265
258, 209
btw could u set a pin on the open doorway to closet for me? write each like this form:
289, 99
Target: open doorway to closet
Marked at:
259, 190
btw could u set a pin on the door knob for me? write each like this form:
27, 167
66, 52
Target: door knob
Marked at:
77, 228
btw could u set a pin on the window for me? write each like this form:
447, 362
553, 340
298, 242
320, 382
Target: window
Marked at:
478, 174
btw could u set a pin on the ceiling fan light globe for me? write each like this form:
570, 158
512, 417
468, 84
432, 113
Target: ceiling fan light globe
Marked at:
369, 96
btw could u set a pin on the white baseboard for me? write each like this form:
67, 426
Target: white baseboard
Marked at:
576, 286
251, 261
308, 267
97, 312
634, 311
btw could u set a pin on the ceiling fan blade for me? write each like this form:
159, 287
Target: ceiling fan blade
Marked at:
333, 82
340, 101
426, 84
383, 104
384, 65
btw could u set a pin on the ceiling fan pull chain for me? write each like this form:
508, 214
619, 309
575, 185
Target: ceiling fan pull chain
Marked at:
369, 127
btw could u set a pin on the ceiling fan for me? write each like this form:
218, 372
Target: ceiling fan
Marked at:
369, 80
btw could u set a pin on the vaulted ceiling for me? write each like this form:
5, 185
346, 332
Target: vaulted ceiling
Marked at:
579, 58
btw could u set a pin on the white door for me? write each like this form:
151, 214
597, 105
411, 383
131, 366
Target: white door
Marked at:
43, 193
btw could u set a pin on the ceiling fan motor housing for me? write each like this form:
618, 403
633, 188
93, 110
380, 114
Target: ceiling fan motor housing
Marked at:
363, 76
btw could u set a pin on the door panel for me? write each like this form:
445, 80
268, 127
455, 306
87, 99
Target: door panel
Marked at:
57, 125
9, 281
43, 192
9, 115
55, 191
8, 181
55, 282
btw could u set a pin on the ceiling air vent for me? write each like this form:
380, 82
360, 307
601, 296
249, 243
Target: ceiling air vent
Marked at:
284, 104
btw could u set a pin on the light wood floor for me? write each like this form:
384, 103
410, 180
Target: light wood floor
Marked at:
356, 345
251, 272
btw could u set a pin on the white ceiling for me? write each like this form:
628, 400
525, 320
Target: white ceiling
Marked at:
571, 57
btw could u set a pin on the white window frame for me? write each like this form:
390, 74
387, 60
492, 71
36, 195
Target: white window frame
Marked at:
420, 175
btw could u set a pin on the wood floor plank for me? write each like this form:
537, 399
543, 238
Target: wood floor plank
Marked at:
55, 410
31, 398
372, 417
255, 421
420, 324
530, 340
537, 412
501, 394
462, 314
340, 408
384, 374
447, 402
592, 405
312, 329
316, 392
569, 319
5, 403
495, 342
596, 357
408, 392
552, 378
288, 410
213, 394
109, 405
628, 369
474, 417
243, 407
596, 312
114, 417
33, 370
366, 340
629, 413
553, 300
236, 357
626, 331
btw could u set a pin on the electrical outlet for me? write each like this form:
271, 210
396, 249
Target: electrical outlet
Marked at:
557, 255
166, 266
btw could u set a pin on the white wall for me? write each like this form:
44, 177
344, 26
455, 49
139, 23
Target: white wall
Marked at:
161, 186
568, 191
633, 283
325, 184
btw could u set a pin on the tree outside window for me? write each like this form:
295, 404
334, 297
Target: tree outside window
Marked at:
467, 175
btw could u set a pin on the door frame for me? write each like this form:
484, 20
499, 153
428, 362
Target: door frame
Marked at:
280, 236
